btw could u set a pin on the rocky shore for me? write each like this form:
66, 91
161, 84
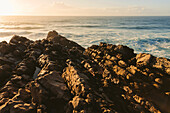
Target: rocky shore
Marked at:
56, 75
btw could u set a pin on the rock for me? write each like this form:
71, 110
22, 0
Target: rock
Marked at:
78, 103
38, 93
19, 39
122, 63
4, 60
16, 104
56, 75
4, 47
55, 38
52, 34
143, 59
158, 80
37, 70
125, 51
129, 69
5, 72
162, 64
55, 84
23, 108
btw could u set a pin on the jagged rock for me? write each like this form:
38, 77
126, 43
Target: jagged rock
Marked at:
139, 84
4, 47
5, 73
56, 75
18, 103
4, 60
78, 104
125, 51
162, 64
52, 34
19, 39
122, 63
143, 59
56, 38
55, 84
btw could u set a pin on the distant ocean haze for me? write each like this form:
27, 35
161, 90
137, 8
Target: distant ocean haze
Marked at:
143, 34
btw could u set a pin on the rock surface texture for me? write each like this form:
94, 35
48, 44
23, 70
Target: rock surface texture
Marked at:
56, 75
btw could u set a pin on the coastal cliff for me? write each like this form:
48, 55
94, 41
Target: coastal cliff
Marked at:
56, 75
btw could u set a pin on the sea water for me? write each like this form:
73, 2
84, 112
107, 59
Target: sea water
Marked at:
143, 34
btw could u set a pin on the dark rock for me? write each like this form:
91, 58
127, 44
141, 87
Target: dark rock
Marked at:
125, 51
52, 34
162, 64
56, 75
19, 39
56, 38
4, 60
4, 47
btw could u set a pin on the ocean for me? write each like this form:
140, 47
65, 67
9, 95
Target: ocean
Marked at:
143, 34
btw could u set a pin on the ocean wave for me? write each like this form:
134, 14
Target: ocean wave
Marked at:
85, 26
142, 27
116, 27
144, 34
61, 21
153, 41
5, 34
156, 46
20, 28
18, 23
35, 36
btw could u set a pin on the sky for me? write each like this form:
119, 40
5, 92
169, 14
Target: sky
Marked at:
85, 7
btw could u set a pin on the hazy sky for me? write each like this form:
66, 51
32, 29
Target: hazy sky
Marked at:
86, 7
